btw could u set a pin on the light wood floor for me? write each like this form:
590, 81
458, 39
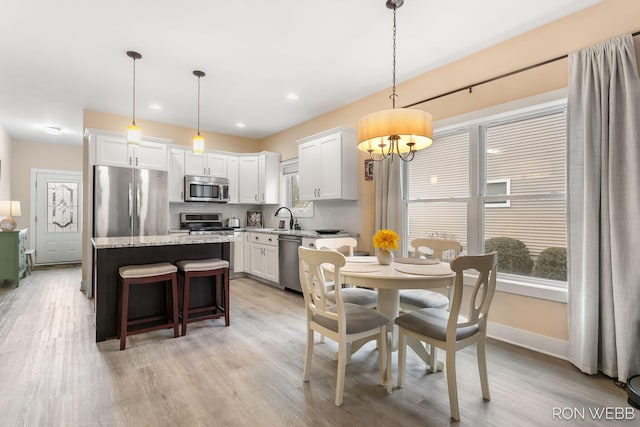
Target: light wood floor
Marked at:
53, 373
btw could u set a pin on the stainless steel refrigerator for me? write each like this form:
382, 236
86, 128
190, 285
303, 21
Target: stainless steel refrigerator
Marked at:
129, 202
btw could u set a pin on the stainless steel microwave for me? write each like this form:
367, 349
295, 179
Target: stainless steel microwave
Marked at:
206, 189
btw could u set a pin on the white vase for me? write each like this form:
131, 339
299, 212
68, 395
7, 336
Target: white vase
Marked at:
385, 257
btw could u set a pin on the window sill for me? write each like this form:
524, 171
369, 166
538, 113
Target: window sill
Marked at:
527, 289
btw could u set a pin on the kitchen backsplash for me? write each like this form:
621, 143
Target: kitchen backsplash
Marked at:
343, 215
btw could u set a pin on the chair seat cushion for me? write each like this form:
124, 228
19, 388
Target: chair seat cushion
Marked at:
202, 264
422, 298
146, 270
432, 322
359, 319
358, 296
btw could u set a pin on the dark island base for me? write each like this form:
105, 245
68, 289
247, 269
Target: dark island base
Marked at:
145, 300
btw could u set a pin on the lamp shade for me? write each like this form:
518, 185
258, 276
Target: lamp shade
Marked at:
133, 135
198, 144
9, 208
410, 125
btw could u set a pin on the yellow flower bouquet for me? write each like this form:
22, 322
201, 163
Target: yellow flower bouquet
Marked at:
386, 240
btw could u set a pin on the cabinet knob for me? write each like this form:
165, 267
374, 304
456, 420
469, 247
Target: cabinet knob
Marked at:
136, 161
256, 237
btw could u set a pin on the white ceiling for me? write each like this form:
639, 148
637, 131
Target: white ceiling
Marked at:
60, 57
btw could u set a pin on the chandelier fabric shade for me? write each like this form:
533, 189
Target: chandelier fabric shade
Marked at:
413, 127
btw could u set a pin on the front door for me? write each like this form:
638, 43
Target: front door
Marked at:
58, 204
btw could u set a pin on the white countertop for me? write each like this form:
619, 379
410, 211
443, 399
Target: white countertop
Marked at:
172, 239
301, 233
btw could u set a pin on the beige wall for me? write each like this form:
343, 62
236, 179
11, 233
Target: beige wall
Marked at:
5, 164
178, 134
598, 23
28, 155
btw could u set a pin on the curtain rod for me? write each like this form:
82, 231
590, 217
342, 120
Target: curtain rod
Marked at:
501, 76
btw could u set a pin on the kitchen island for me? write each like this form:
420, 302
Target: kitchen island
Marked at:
110, 253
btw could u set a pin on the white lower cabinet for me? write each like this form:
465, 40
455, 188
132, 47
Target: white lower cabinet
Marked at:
264, 256
238, 251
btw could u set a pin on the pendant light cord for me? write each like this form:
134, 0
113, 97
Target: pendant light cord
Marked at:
198, 105
134, 91
393, 92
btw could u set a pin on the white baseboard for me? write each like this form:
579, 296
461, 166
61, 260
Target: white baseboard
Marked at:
540, 343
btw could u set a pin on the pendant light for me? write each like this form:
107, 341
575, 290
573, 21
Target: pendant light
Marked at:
396, 132
133, 131
198, 140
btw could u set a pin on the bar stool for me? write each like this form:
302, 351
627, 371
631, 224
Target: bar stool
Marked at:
131, 275
205, 268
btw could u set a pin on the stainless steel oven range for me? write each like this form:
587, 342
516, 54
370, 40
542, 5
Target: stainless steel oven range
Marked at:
207, 224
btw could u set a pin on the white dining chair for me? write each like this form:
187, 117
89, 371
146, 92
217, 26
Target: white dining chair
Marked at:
450, 331
341, 322
415, 299
353, 295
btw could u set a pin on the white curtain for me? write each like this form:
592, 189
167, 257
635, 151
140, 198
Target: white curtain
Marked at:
387, 178
604, 209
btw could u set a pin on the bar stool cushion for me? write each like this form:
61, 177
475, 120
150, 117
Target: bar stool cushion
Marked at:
146, 270
202, 264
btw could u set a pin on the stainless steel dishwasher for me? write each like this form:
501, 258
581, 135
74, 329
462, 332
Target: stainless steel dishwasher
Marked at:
288, 261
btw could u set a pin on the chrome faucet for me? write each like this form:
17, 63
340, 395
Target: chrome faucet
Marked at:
290, 216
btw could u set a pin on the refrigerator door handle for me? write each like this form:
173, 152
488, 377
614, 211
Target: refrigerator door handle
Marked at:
138, 207
130, 206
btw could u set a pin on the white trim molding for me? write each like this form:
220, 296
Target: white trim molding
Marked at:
529, 340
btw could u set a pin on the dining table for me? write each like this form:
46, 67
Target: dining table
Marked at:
388, 280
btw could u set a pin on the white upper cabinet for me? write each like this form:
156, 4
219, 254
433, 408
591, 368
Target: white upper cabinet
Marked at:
207, 164
327, 164
259, 178
232, 172
176, 174
248, 186
114, 151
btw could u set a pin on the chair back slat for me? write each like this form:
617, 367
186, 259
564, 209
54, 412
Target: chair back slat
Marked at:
338, 244
481, 294
438, 247
314, 283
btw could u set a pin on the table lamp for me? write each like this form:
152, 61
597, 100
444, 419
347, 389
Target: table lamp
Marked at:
9, 208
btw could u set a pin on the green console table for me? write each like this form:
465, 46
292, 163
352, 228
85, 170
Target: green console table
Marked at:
14, 260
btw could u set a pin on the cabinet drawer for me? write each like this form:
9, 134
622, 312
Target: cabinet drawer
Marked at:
265, 238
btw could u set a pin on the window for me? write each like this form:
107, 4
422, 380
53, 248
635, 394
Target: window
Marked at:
498, 187
291, 191
497, 183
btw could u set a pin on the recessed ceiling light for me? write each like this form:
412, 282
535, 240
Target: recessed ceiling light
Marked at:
53, 130
155, 106
292, 96
240, 124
